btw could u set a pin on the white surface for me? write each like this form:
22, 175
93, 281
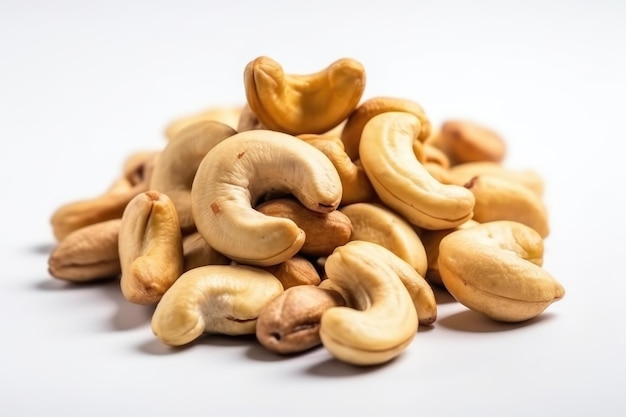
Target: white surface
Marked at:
83, 84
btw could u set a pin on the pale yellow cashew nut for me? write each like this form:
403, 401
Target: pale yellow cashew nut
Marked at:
223, 299
495, 269
303, 103
237, 172
178, 162
402, 182
380, 320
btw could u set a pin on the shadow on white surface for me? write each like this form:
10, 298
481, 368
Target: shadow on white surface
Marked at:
473, 322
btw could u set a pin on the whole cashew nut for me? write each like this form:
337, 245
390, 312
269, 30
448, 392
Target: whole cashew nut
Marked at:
402, 182
237, 172
150, 248
224, 299
495, 269
379, 321
307, 103
178, 162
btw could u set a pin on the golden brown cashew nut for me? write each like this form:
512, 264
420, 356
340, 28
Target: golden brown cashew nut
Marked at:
402, 182
150, 247
309, 103
87, 254
237, 172
495, 269
178, 162
224, 299
295, 271
351, 133
380, 320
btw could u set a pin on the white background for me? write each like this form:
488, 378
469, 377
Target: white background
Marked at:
84, 84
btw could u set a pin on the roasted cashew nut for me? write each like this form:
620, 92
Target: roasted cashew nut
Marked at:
224, 299
308, 103
402, 182
177, 163
150, 247
351, 133
237, 172
380, 320
496, 269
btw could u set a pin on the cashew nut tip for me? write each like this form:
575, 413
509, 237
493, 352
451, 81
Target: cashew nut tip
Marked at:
224, 299
494, 268
237, 172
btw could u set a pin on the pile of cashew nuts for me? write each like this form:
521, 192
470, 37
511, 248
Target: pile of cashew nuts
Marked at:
310, 216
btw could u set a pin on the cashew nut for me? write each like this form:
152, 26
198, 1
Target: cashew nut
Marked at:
150, 247
197, 252
462, 173
379, 224
351, 133
223, 299
295, 271
227, 114
308, 103
237, 172
495, 269
380, 320
178, 162
403, 183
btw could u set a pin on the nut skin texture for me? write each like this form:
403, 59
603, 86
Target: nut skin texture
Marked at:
501, 199
465, 141
178, 162
351, 133
379, 321
237, 172
303, 103
223, 299
378, 224
290, 322
150, 248
295, 271
495, 268
87, 254
323, 231
402, 182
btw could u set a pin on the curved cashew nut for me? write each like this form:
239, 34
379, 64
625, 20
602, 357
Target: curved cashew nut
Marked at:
150, 247
178, 162
495, 269
464, 141
197, 252
379, 224
310, 103
401, 182
237, 172
380, 320
351, 133
461, 174
223, 299
87, 254
501, 199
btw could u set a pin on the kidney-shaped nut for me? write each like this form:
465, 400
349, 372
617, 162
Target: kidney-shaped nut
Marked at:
237, 172
197, 252
466, 141
462, 173
379, 224
501, 199
178, 162
495, 269
303, 103
402, 182
323, 231
150, 248
351, 133
295, 271
222, 299
379, 321
87, 254
290, 322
